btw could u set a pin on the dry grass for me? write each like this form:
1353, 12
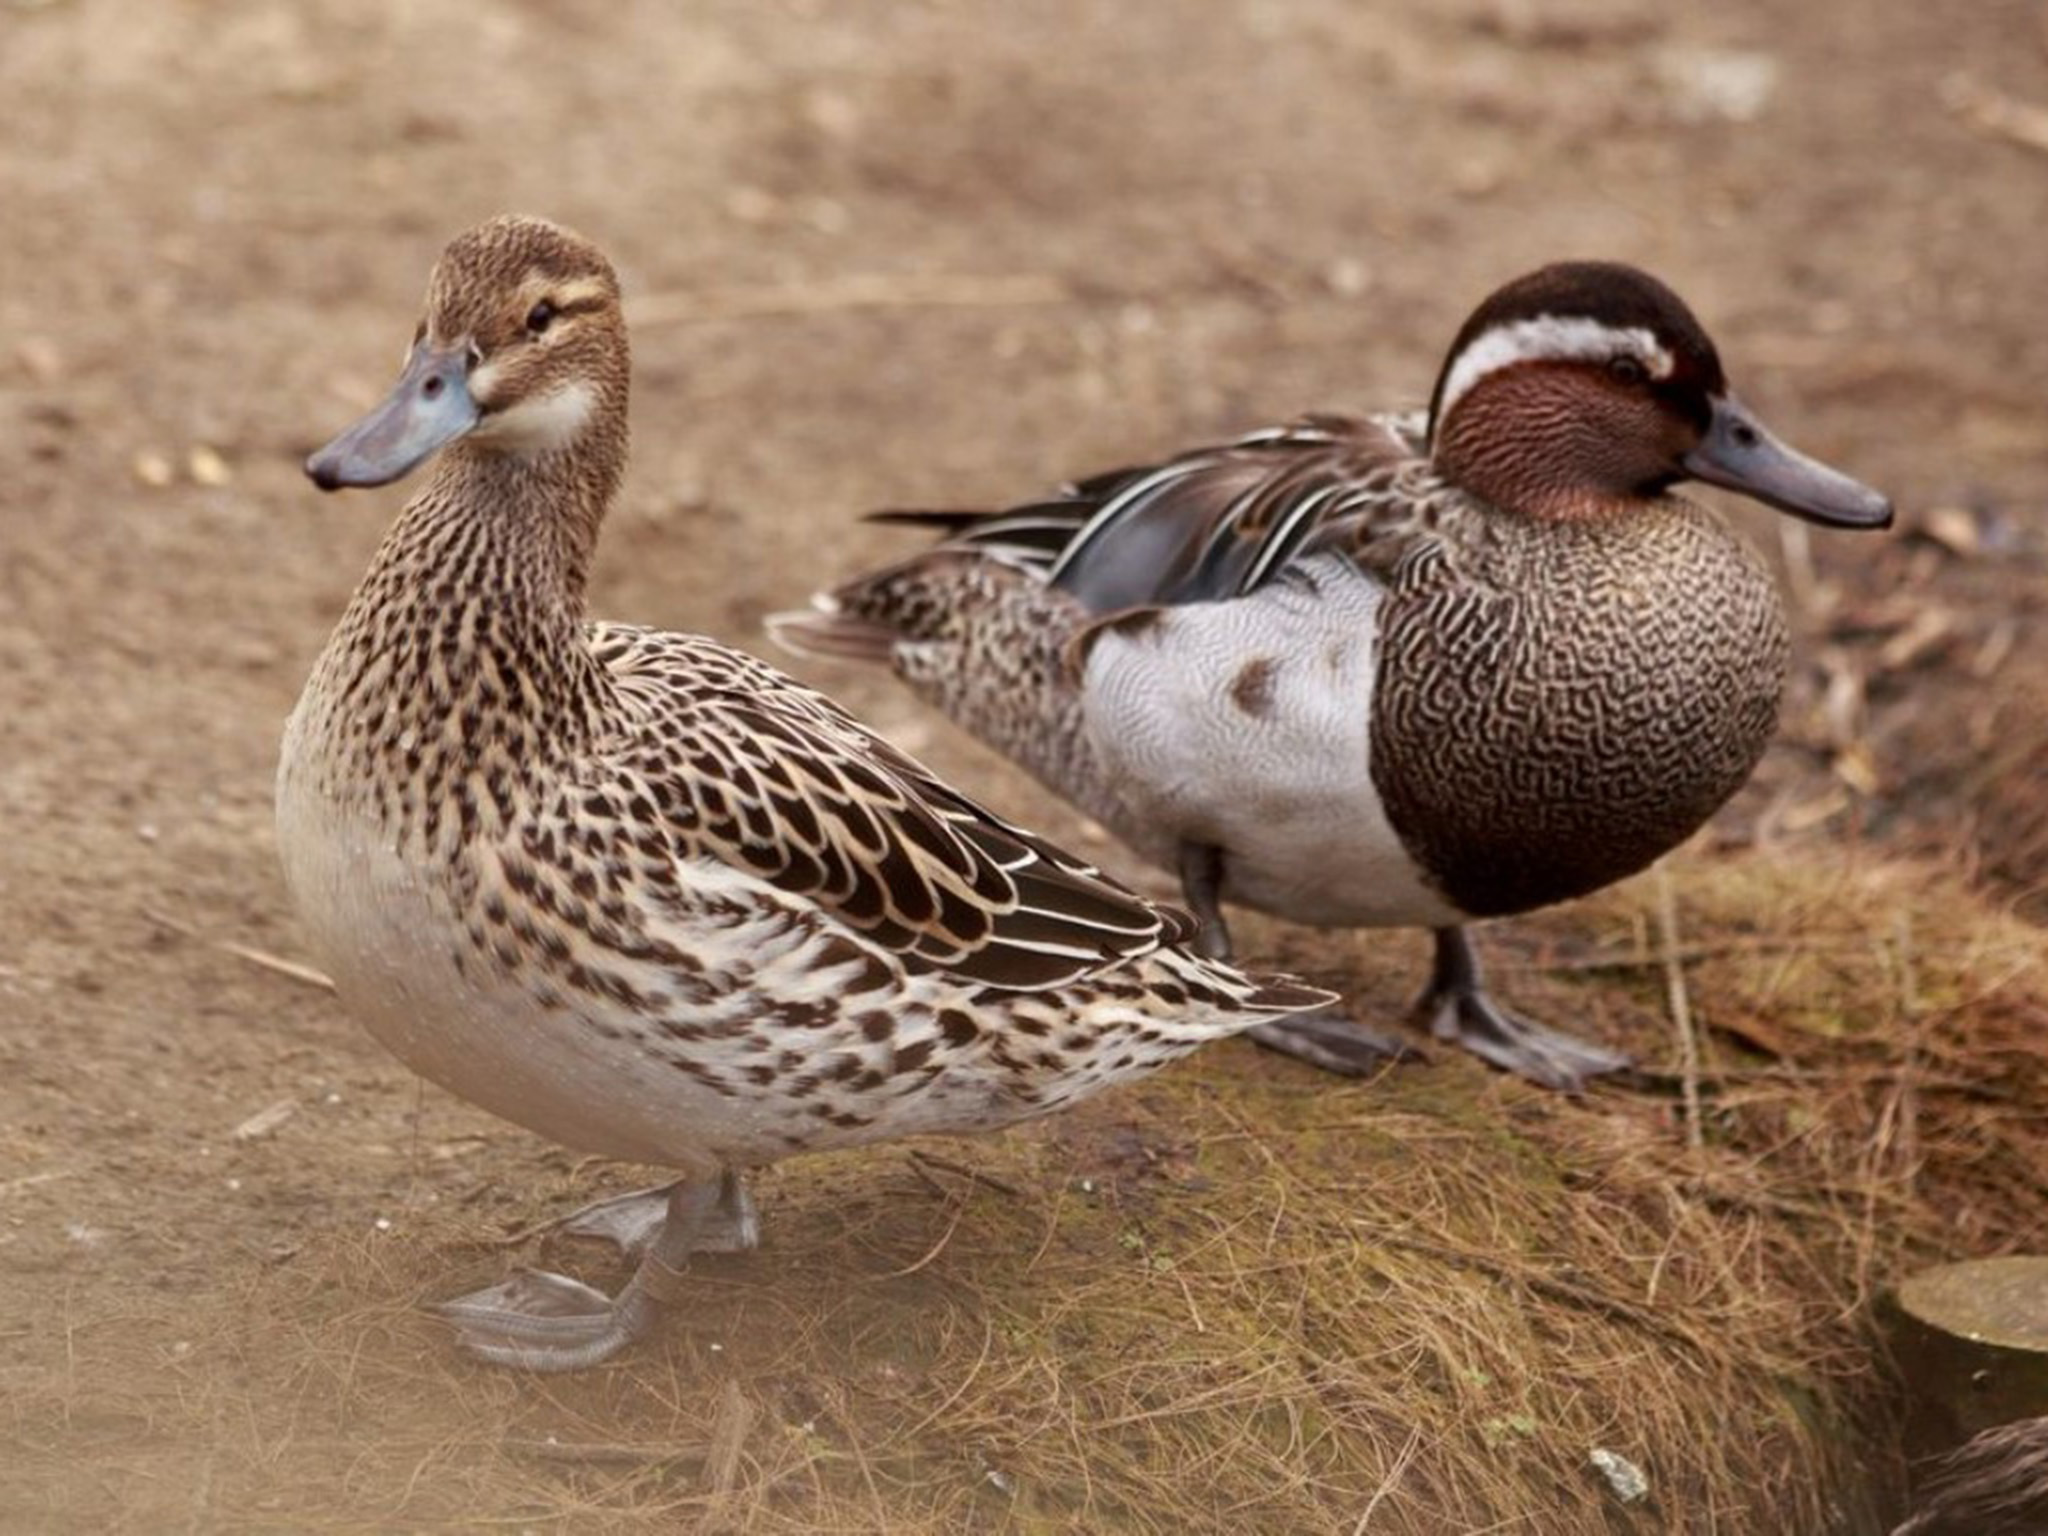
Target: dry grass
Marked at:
1240, 1298
1973, 756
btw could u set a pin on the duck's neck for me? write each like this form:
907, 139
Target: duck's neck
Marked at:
523, 529
462, 653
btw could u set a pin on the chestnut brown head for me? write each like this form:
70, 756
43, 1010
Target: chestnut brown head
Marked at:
1587, 385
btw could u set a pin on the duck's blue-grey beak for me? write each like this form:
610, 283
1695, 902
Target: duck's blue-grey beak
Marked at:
431, 406
1739, 453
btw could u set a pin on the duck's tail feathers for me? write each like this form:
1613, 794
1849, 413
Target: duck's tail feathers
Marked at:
1273, 993
945, 520
827, 629
1245, 995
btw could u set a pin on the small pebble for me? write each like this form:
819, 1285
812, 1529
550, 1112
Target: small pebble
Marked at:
153, 470
1348, 277
751, 205
1476, 178
826, 215
832, 114
1627, 1480
207, 467
40, 359
1731, 85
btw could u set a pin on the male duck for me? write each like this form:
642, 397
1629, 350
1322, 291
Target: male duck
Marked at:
1406, 670
641, 893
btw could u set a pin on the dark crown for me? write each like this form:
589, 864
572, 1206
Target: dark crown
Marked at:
1611, 293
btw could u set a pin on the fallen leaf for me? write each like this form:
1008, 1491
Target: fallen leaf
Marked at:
1911, 645
264, 1121
1855, 767
1955, 529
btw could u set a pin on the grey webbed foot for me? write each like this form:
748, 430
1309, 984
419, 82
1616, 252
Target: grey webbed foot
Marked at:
1333, 1041
543, 1322
1461, 1011
538, 1321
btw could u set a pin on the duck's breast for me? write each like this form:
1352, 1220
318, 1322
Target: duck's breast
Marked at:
451, 996
1582, 711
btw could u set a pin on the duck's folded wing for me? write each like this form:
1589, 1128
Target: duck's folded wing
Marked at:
1211, 524
749, 767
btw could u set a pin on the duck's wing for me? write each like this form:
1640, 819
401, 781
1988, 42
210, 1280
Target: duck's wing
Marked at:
743, 764
1209, 524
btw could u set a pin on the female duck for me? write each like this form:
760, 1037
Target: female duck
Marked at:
1394, 671
641, 893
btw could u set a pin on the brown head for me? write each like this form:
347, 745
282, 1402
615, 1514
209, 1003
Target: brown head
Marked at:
521, 355
1587, 386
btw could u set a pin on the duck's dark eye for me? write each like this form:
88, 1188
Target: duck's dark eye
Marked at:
1627, 369
540, 317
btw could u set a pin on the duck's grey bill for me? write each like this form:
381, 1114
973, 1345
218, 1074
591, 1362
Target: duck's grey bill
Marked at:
431, 406
1739, 453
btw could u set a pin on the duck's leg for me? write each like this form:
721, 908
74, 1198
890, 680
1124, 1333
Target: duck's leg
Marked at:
631, 1222
1462, 1011
1201, 877
1334, 1041
545, 1322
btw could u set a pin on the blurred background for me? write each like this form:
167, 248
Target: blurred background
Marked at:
895, 252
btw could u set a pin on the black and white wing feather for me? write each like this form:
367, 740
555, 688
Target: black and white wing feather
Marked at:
1213, 523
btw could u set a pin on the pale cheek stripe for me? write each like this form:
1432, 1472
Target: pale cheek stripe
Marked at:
1548, 338
539, 426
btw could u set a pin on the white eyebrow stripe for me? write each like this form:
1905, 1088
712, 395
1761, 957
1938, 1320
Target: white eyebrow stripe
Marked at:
1548, 337
579, 290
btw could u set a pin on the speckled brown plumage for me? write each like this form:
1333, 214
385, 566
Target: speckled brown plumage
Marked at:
638, 891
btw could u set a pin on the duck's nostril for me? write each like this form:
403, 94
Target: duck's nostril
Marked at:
432, 387
1744, 435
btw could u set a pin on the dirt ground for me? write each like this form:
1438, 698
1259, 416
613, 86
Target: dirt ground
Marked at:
878, 252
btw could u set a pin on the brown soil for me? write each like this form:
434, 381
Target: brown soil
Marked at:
905, 253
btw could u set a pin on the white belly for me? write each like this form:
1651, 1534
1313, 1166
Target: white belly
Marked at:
390, 939
1244, 725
